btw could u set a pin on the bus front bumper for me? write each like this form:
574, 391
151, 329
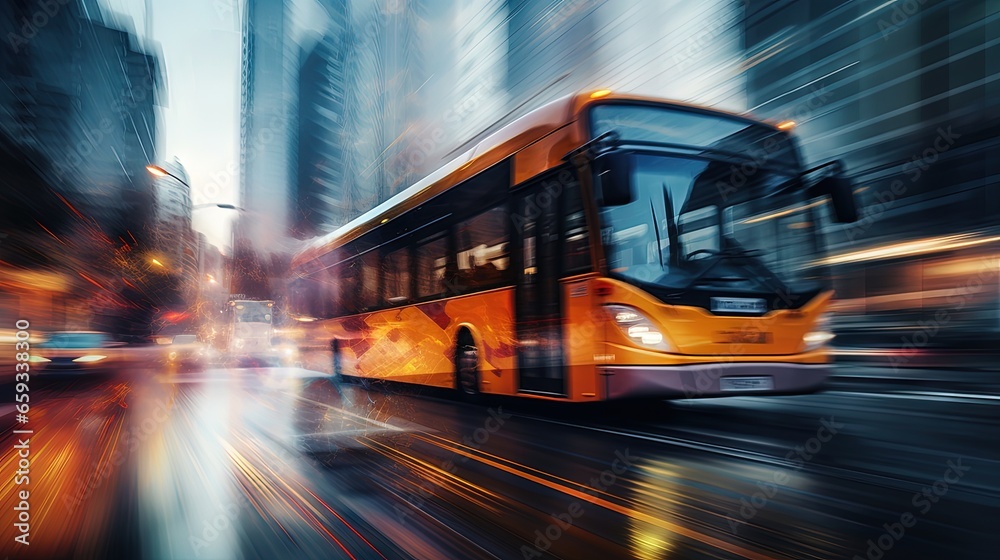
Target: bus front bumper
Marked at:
712, 380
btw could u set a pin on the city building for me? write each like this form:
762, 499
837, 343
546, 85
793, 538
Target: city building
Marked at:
175, 243
322, 144
79, 99
267, 114
906, 94
418, 82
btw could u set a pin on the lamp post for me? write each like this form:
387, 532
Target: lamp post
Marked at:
158, 171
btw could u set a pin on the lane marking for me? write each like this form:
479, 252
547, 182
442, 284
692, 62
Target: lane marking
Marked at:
617, 508
922, 396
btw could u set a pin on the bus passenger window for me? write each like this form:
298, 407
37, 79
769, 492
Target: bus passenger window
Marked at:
397, 277
483, 250
347, 282
432, 258
325, 295
369, 280
575, 236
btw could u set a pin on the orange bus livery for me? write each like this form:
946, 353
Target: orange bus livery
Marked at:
603, 246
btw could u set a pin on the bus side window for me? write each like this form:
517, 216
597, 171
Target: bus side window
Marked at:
483, 250
432, 259
326, 295
347, 281
397, 277
369, 280
576, 241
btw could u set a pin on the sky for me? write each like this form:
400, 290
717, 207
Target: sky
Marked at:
200, 45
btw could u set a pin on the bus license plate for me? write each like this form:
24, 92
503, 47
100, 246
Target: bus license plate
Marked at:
739, 305
764, 383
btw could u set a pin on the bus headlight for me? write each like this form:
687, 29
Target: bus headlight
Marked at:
821, 333
637, 327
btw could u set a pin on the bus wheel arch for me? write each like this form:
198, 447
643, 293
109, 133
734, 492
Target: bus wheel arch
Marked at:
467, 366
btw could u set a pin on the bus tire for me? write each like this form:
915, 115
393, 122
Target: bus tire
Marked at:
467, 368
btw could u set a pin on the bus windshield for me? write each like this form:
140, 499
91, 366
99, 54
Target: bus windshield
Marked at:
681, 230
253, 311
751, 145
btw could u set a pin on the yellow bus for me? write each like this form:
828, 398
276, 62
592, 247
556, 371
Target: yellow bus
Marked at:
603, 246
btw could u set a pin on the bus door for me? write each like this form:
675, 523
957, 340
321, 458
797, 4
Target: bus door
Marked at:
537, 306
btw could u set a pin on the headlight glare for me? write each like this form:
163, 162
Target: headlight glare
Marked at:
89, 359
821, 333
637, 327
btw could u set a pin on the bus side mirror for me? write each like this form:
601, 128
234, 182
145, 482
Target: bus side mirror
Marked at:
614, 179
840, 189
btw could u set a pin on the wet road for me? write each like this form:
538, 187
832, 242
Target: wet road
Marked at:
284, 463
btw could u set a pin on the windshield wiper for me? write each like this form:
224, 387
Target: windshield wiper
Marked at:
753, 260
748, 258
672, 235
656, 229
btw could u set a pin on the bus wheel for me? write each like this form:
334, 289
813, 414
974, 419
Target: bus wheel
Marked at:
467, 369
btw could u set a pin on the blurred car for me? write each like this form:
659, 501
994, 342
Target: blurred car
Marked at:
186, 351
77, 352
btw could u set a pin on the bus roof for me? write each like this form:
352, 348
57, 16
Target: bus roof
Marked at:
559, 115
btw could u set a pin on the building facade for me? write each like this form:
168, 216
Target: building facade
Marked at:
79, 101
267, 115
322, 144
176, 245
906, 94
418, 82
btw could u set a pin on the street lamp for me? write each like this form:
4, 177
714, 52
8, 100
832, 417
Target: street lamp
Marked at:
158, 171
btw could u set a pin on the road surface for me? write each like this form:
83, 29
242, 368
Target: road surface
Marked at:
277, 463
